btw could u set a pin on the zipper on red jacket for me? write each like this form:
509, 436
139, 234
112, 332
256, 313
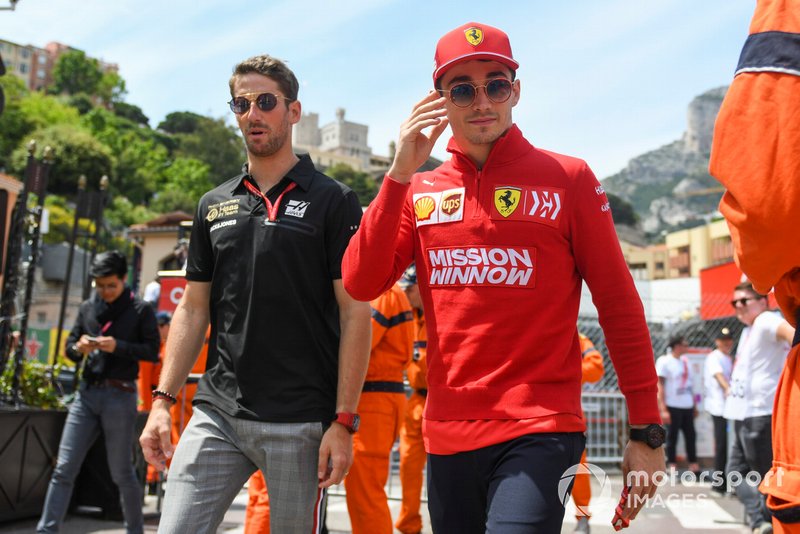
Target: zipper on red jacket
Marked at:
476, 211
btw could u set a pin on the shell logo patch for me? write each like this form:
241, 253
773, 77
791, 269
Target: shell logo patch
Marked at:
439, 207
474, 35
423, 207
506, 200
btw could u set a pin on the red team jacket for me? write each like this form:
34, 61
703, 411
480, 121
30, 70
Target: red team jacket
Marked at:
501, 254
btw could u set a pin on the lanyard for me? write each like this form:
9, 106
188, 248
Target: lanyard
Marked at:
272, 210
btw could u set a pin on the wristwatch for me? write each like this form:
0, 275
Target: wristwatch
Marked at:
653, 435
350, 421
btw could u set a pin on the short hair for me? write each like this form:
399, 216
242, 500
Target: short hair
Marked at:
111, 262
272, 68
748, 286
676, 339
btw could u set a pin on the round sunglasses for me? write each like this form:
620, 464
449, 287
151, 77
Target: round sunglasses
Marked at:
264, 101
464, 94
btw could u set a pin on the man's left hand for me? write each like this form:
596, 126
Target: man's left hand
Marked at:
335, 455
639, 465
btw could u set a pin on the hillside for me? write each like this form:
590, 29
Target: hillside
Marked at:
669, 186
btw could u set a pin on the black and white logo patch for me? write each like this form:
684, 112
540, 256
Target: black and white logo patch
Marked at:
296, 208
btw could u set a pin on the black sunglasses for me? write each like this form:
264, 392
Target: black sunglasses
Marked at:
463, 94
743, 301
264, 101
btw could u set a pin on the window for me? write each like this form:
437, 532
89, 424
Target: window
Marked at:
23, 68
40, 74
25, 53
41, 316
42, 59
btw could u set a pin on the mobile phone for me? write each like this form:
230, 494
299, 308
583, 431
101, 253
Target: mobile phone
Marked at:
92, 339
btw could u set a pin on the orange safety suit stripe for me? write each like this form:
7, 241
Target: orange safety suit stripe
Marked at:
381, 414
147, 382
755, 156
591, 371
256, 516
412, 448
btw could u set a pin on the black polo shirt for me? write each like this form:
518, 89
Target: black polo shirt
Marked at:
274, 317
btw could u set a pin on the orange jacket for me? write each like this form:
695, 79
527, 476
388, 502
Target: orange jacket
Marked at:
418, 367
755, 156
591, 361
392, 336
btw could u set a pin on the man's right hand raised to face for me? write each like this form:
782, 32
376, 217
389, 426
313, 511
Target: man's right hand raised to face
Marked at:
414, 146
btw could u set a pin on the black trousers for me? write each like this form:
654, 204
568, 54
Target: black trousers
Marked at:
682, 421
508, 488
752, 451
720, 452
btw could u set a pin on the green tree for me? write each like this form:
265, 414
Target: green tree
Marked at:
185, 181
14, 125
121, 213
131, 112
61, 219
76, 153
208, 140
75, 73
111, 88
622, 212
180, 122
362, 183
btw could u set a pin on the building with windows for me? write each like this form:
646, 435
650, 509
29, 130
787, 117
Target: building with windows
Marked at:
340, 141
34, 65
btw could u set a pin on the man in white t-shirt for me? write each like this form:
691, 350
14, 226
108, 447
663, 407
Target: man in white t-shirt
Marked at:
760, 356
716, 385
676, 400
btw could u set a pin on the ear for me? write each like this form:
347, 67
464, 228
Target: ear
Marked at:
515, 88
295, 112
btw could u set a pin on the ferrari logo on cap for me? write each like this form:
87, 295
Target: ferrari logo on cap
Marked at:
474, 35
506, 200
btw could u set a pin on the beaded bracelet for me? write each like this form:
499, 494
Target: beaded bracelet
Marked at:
157, 394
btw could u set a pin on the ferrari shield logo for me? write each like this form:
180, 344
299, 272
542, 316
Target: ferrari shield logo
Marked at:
506, 200
474, 35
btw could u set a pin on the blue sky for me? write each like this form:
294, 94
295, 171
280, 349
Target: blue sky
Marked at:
604, 80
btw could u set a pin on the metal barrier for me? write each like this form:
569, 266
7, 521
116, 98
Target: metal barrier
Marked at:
606, 424
606, 434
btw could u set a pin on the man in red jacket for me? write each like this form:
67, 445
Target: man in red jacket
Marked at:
503, 236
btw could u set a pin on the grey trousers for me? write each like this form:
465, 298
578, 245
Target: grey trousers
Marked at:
752, 451
217, 454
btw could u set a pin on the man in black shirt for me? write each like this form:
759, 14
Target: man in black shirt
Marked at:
290, 347
113, 331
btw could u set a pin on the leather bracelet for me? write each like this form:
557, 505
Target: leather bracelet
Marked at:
158, 394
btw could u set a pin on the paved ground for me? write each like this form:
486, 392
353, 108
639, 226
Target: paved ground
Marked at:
680, 508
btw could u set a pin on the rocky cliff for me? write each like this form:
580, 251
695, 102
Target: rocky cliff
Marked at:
670, 187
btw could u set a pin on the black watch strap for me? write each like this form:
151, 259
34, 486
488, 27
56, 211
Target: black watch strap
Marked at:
653, 435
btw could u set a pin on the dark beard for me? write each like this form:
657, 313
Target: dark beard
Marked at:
274, 142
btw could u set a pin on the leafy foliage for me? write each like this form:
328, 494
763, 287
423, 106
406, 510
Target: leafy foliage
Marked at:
74, 73
621, 211
362, 183
36, 384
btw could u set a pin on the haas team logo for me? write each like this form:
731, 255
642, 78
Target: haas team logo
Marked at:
474, 35
506, 200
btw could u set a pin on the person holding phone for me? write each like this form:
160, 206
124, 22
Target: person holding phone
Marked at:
114, 330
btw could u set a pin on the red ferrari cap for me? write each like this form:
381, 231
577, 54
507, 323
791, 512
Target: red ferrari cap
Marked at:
472, 41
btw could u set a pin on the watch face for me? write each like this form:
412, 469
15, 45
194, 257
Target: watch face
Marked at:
655, 436
356, 422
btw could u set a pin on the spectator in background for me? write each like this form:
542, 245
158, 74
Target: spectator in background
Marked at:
148, 381
152, 292
763, 347
113, 331
412, 448
676, 400
591, 371
382, 406
716, 384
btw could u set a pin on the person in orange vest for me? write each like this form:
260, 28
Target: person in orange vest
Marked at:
181, 411
381, 406
591, 371
412, 448
148, 381
754, 155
